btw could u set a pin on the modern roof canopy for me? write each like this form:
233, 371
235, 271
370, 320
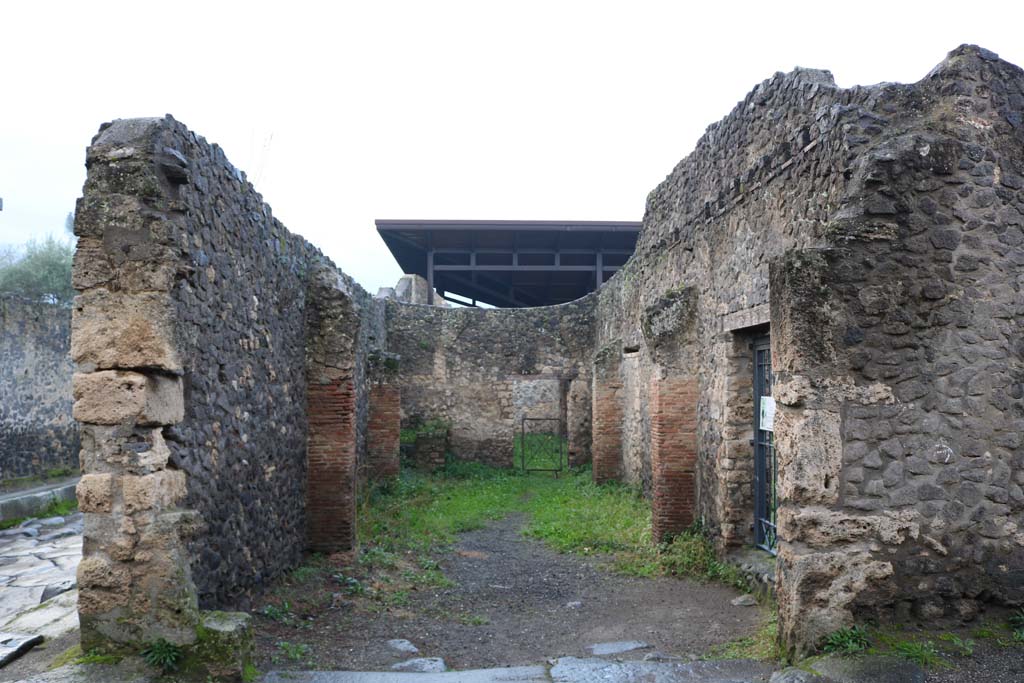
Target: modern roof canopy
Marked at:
510, 264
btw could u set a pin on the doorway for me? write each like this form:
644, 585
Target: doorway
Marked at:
765, 464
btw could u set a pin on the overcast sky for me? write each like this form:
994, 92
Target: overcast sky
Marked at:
344, 112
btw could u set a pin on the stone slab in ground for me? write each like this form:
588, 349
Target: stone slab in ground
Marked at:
55, 617
129, 671
13, 645
422, 665
575, 670
516, 674
868, 669
617, 647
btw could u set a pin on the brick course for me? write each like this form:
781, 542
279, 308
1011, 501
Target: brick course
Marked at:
330, 493
606, 447
673, 454
383, 431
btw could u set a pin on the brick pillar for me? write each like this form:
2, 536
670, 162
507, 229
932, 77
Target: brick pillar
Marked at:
673, 454
331, 452
606, 444
383, 431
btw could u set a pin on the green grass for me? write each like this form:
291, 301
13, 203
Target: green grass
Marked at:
847, 641
421, 514
57, 508
763, 645
541, 450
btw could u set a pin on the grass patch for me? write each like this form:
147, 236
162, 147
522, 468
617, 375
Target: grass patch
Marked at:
847, 641
763, 645
56, 508
540, 450
420, 514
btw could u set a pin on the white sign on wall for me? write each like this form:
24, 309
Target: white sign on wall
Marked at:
767, 421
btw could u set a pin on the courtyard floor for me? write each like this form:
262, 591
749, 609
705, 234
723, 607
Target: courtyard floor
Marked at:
512, 601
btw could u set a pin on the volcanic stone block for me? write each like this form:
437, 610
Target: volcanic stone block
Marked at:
111, 330
114, 397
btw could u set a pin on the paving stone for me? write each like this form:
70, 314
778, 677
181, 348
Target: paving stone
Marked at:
18, 599
617, 647
53, 618
25, 566
50, 521
53, 575
868, 669
62, 586
13, 645
403, 645
744, 601
575, 670
515, 674
425, 665
128, 671
793, 675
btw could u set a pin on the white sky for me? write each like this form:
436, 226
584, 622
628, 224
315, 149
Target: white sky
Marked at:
344, 112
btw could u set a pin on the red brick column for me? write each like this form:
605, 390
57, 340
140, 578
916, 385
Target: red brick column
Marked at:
331, 486
673, 454
383, 431
606, 444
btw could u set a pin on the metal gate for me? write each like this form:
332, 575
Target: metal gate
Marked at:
541, 445
765, 466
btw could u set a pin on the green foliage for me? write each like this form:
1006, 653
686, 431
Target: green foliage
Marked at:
921, 652
305, 573
763, 645
421, 514
250, 673
293, 651
350, 585
280, 613
540, 450
41, 273
56, 508
162, 655
847, 641
961, 647
1016, 619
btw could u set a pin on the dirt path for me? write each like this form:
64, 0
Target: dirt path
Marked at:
517, 602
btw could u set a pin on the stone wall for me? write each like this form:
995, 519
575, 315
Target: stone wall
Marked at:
202, 331
480, 370
888, 221
874, 232
903, 460
37, 432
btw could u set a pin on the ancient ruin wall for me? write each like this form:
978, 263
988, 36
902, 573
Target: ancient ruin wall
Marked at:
903, 411
695, 294
480, 370
912, 193
197, 318
37, 432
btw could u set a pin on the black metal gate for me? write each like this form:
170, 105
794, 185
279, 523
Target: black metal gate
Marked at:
541, 445
765, 466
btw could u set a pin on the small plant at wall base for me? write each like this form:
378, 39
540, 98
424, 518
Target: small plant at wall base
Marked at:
162, 655
847, 641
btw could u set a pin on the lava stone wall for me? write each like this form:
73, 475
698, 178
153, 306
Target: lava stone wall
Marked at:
887, 220
480, 369
37, 432
223, 295
759, 182
910, 390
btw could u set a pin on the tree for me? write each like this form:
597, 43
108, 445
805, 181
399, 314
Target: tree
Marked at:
41, 273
